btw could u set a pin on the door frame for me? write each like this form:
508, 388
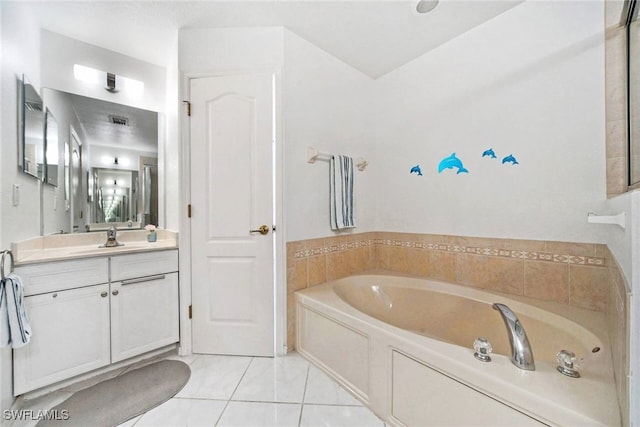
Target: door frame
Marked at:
184, 238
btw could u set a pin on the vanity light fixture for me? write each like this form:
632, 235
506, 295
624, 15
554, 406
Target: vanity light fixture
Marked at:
111, 82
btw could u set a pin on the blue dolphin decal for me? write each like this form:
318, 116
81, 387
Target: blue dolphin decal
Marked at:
452, 162
510, 159
489, 153
417, 170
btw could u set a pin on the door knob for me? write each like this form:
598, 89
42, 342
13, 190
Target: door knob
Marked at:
263, 229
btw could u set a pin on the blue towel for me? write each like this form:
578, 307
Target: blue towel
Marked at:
14, 323
341, 192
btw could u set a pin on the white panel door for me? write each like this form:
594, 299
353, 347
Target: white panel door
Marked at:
232, 194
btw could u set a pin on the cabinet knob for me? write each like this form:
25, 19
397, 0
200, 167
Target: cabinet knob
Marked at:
54, 295
115, 292
104, 294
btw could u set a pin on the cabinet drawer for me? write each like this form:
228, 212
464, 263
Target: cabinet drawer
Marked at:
58, 276
145, 264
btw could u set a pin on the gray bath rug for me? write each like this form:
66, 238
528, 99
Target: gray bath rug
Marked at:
119, 399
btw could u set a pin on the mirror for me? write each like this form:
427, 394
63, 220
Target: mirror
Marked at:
31, 155
52, 149
633, 82
110, 156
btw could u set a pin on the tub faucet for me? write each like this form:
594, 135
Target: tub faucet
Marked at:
521, 354
111, 238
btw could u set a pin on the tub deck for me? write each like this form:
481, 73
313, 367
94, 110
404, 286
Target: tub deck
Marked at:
409, 376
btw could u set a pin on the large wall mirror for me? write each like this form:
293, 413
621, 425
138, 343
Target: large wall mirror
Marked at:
633, 99
110, 153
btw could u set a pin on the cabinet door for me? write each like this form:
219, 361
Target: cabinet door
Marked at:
144, 315
70, 337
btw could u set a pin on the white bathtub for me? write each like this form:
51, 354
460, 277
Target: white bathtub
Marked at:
403, 346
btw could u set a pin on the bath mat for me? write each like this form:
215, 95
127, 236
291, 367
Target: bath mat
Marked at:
119, 399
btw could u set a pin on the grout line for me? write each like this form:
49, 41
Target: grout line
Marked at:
304, 393
234, 391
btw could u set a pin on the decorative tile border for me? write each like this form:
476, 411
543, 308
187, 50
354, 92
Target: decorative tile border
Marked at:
506, 253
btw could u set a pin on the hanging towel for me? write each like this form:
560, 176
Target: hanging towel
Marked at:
14, 323
341, 192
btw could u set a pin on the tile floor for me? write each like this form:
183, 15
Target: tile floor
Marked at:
247, 391
255, 391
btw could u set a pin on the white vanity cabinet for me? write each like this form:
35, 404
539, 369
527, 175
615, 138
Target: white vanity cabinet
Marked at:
86, 314
144, 303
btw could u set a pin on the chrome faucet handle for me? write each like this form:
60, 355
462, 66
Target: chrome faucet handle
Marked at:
111, 233
483, 349
567, 363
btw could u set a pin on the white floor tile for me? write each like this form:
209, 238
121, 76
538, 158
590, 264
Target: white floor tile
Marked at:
131, 422
324, 390
255, 414
184, 412
278, 379
214, 377
338, 416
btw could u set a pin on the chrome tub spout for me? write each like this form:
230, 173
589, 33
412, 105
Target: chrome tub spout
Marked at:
521, 353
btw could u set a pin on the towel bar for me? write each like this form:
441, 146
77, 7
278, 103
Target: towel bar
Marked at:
313, 154
6, 252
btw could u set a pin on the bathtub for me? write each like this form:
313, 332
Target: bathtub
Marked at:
404, 347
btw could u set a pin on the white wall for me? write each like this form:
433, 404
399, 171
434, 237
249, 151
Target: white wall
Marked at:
529, 82
19, 37
20, 55
328, 105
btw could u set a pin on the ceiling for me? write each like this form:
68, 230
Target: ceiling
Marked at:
372, 36
140, 133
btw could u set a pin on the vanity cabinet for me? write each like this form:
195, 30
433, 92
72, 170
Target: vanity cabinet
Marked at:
144, 303
87, 314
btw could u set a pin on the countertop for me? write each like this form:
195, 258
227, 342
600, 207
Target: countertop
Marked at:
60, 247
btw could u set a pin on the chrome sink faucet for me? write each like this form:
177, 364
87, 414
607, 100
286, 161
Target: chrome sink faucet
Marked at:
111, 238
521, 353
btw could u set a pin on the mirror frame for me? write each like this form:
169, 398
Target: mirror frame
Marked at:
22, 126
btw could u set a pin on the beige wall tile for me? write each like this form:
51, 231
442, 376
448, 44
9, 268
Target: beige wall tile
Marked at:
547, 281
297, 275
317, 270
418, 262
398, 259
589, 287
442, 265
383, 254
505, 275
337, 268
569, 248
525, 245
291, 322
471, 270
617, 139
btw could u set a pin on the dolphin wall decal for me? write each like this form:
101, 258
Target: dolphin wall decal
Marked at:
452, 162
510, 159
416, 169
489, 153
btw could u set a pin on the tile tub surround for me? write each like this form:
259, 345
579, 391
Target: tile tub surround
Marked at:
575, 274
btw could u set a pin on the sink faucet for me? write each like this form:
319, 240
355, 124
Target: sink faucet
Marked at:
521, 354
111, 238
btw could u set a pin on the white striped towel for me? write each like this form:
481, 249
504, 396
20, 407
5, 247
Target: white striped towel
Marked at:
341, 192
14, 323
